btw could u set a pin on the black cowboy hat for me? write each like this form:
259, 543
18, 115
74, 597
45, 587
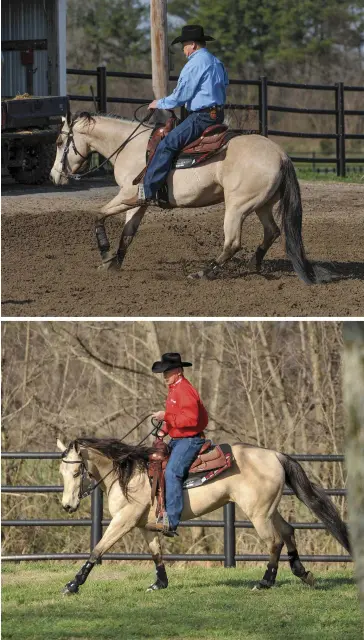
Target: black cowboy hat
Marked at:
169, 361
193, 33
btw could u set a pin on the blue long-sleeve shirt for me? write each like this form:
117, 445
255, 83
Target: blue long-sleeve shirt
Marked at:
202, 83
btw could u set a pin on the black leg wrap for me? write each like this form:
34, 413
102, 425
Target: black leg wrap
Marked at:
161, 581
259, 255
80, 578
102, 239
162, 574
269, 577
296, 566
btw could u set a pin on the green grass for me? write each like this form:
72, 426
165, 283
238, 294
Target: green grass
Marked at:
308, 174
201, 603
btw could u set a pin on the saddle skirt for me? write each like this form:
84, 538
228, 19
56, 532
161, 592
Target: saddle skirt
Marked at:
212, 141
210, 462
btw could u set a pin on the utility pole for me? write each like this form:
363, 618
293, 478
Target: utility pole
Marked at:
159, 44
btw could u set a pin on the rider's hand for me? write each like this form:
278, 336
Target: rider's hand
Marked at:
159, 415
161, 434
153, 105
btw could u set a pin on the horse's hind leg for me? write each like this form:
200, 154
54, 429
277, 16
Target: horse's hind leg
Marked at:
287, 532
154, 545
271, 233
271, 536
234, 218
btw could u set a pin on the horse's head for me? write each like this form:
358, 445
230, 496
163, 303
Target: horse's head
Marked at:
73, 148
72, 470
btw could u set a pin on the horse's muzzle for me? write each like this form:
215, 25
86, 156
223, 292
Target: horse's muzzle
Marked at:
70, 509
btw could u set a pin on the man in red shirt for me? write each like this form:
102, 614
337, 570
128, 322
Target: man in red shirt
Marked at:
184, 420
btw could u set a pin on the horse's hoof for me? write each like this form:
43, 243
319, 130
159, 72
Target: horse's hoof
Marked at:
157, 586
71, 588
205, 275
68, 592
263, 584
309, 579
254, 266
111, 264
196, 276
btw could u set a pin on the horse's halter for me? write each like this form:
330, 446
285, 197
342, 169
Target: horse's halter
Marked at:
85, 477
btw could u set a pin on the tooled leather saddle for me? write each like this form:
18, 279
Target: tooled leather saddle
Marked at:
210, 462
211, 142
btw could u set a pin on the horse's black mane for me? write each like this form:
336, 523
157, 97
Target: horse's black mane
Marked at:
90, 117
127, 458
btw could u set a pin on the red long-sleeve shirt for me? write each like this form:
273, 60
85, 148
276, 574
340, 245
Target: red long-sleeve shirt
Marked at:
185, 413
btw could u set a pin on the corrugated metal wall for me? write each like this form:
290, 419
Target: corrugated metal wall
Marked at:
24, 20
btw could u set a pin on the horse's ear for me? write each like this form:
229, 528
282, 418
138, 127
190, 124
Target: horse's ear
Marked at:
60, 445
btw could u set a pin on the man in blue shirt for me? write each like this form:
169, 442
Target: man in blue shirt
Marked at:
202, 88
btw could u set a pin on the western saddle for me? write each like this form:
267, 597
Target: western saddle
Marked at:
209, 457
212, 140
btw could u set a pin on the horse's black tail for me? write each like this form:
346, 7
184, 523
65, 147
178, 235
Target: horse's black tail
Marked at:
315, 498
290, 210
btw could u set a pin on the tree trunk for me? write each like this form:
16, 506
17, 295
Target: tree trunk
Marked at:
354, 404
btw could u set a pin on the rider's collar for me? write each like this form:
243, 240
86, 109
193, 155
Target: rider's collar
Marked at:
194, 53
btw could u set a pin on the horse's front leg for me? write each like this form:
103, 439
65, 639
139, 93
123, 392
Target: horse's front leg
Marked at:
112, 208
121, 524
154, 545
132, 222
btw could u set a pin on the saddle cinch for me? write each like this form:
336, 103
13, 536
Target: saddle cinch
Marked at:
212, 140
210, 462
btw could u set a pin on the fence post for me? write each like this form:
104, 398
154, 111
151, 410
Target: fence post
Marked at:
229, 534
101, 89
263, 106
340, 130
97, 508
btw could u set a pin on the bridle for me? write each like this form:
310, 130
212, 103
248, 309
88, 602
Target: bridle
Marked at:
64, 160
67, 171
83, 471
84, 493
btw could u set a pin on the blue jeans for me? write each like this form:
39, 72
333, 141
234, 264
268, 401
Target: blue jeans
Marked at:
187, 131
183, 453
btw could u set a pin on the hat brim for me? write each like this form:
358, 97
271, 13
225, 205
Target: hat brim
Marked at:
161, 367
180, 39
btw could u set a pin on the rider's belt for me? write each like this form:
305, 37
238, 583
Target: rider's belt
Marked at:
197, 435
214, 110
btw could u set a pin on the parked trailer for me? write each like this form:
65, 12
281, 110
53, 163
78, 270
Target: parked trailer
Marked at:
34, 69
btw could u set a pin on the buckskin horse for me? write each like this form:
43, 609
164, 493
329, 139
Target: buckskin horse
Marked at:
250, 173
254, 480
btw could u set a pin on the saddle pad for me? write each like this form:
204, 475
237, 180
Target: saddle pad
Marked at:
197, 479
